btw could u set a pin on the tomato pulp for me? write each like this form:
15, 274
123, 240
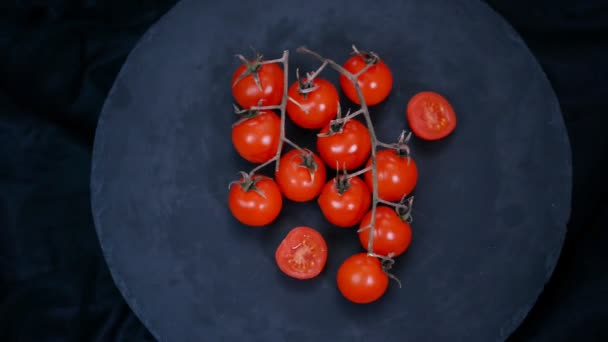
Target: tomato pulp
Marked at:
302, 254
430, 116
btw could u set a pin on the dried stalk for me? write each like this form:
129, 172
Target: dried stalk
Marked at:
364, 110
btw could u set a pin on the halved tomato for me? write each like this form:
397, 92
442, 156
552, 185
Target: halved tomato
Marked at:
302, 254
430, 116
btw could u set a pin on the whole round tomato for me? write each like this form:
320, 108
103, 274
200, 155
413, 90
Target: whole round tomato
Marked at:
391, 234
375, 83
255, 201
317, 107
345, 148
302, 254
430, 116
253, 81
257, 138
361, 279
396, 176
301, 175
344, 201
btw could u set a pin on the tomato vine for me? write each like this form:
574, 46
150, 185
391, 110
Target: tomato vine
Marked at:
401, 145
402, 207
284, 60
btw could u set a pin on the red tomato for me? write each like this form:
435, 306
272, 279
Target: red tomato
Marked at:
430, 116
391, 234
247, 92
375, 83
343, 201
255, 201
301, 175
396, 177
257, 139
347, 149
302, 254
321, 104
361, 279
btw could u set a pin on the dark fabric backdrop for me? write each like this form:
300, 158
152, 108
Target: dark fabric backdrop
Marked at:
58, 59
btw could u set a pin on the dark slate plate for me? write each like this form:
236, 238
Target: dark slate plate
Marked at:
492, 200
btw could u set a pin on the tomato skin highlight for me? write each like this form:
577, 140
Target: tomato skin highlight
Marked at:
257, 139
430, 116
396, 177
322, 104
361, 279
391, 234
302, 254
246, 92
297, 182
250, 207
345, 209
376, 83
348, 149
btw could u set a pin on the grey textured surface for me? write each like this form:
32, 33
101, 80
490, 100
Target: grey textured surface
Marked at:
491, 204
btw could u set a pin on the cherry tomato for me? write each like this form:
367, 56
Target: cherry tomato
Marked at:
375, 83
346, 149
391, 234
396, 176
301, 175
257, 138
430, 116
255, 201
344, 201
248, 92
361, 279
302, 254
315, 108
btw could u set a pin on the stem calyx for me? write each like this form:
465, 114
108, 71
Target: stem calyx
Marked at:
342, 181
308, 162
252, 67
368, 56
404, 209
248, 183
306, 85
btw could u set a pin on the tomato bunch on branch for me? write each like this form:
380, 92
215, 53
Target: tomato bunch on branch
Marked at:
373, 183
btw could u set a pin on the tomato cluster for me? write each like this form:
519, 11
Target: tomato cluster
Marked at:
374, 181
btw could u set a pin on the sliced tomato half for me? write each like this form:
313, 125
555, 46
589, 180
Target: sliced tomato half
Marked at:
302, 254
430, 116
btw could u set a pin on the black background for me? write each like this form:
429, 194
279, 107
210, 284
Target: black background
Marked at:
58, 59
